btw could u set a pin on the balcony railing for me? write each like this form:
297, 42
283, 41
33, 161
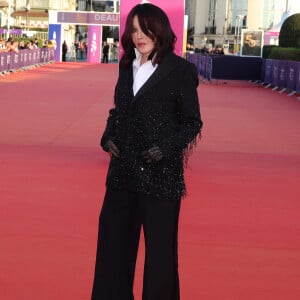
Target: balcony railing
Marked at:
210, 30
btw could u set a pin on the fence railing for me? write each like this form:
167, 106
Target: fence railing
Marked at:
227, 66
10, 61
281, 74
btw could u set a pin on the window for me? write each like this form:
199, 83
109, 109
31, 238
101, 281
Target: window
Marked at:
272, 14
236, 15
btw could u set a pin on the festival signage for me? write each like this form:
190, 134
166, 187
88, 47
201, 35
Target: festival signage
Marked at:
5, 61
252, 42
173, 8
297, 77
24, 58
275, 72
111, 19
208, 67
263, 68
291, 76
282, 75
271, 38
10, 31
268, 71
94, 41
201, 65
54, 35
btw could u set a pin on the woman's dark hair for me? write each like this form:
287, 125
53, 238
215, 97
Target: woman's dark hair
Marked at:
156, 25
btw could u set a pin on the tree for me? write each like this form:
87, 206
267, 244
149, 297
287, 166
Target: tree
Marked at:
290, 32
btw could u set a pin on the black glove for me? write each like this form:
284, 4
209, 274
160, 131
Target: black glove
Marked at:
111, 147
152, 155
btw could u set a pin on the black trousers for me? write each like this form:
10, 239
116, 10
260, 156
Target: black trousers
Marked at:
122, 216
105, 58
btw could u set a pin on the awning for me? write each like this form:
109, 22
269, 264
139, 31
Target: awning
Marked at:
3, 4
30, 14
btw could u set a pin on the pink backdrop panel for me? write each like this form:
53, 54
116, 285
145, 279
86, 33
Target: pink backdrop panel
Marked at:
173, 8
95, 43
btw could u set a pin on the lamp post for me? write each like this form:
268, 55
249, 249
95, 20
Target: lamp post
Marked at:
8, 19
27, 10
237, 33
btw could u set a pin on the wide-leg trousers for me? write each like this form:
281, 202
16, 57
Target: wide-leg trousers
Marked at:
122, 216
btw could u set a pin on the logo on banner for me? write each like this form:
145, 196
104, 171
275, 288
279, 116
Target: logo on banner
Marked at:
291, 74
282, 74
94, 44
54, 39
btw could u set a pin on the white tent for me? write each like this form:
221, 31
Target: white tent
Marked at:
272, 35
294, 8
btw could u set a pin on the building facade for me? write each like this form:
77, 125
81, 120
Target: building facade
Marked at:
213, 22
31, 14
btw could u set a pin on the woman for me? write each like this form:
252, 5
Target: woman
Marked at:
154, 122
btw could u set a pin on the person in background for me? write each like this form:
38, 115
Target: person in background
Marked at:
218, 50
149, 133
36, 42
81, 48
22, 45
64, 51
105, 51
2, 45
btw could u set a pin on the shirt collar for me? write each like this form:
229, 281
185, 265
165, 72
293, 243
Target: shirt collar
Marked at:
138, 56
137, 61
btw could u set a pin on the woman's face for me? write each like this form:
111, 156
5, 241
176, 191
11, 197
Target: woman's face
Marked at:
141, 41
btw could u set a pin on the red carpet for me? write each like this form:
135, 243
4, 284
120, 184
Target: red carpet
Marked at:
240, 224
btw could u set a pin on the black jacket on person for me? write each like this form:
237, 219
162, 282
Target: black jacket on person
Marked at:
164, 112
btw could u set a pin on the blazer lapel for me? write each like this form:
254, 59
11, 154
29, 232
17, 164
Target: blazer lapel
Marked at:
163, 70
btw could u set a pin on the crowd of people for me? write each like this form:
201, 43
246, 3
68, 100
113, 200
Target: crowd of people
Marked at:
78, 51
207, 49
16, 45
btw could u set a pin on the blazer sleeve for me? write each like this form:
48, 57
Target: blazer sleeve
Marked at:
188, 118
110, 129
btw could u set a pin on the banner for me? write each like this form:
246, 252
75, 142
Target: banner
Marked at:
24, 58
202, 65
15, 61
297, 78
275, 72
291, 76
5, 61
268, 71
191, 57
283, 72
54, 34
94, 42
11, 31
271, 38
173, 8
208, 67
252, 42
78, 17
236, 67
263, 69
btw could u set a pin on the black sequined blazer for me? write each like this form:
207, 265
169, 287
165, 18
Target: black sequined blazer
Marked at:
165, 112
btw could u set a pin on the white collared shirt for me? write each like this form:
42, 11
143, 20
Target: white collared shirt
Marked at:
141, 73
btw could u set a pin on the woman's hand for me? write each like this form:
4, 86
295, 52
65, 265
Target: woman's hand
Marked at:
111, 147
152, 155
